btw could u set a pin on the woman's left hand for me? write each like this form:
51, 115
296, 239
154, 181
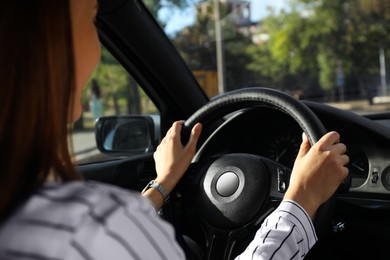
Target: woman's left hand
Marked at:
173, 159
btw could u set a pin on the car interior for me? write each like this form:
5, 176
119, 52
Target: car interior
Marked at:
254, 132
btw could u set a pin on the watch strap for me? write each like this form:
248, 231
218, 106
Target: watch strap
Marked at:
159, 187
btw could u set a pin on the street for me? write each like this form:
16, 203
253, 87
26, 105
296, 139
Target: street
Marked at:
84, 145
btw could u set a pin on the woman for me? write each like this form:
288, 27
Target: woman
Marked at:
48, 50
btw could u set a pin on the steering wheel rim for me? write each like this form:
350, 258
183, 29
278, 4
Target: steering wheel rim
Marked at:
257, 97
252, 98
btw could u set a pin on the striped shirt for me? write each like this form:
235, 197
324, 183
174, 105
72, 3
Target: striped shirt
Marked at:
288, 233
88, 221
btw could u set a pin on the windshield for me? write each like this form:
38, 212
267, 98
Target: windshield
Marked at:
332, 51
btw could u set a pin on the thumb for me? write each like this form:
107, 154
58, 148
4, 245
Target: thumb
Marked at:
305, 146
195, 133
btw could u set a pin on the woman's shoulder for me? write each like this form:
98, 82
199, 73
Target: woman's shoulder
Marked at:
92, 196
67, 204
69, 217
89, 192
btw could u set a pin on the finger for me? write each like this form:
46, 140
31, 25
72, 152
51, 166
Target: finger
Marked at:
181, 122
329, 139
305, 146
342, 174
344, 159
174, 126
346, 172
176, 130
339, 148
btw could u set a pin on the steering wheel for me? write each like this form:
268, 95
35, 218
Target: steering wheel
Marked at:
234, 193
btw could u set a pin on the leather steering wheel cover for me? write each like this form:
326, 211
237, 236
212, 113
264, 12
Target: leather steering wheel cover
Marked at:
257, 97
274, 99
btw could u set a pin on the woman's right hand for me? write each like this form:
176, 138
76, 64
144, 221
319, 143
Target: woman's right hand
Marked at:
317, 172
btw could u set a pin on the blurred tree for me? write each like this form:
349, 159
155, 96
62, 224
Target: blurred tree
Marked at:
311, 43
196, 44
117, 86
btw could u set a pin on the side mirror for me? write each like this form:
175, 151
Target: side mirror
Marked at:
127, 135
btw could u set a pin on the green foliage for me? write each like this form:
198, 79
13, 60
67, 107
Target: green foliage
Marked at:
110, 76
117, 89
197, 46
306, 42
327, 65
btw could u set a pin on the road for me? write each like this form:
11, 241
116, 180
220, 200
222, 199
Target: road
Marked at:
84, 146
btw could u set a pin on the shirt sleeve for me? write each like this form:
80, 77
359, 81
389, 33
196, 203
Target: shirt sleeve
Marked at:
87, 221
288, 233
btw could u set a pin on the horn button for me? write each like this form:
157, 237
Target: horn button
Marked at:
233, 190
227, 184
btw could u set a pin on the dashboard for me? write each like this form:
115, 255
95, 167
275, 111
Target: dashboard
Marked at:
360, 212
274, 135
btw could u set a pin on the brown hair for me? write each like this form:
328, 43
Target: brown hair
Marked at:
37, 87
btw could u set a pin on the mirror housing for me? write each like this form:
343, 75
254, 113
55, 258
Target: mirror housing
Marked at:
127, 135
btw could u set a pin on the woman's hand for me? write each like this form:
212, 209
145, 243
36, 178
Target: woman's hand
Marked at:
317, 172
172, 159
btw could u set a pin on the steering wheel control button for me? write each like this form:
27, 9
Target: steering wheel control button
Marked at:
227, 184
375, 176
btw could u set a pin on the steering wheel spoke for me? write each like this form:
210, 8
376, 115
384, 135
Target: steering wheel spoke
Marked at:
226, 244
220, 244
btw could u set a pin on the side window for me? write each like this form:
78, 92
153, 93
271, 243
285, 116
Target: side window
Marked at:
110, 91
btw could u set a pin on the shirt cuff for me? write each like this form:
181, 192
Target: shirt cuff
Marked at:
295, 213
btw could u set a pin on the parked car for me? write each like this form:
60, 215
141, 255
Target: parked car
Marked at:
253, 127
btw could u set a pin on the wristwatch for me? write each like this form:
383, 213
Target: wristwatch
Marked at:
159, 187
